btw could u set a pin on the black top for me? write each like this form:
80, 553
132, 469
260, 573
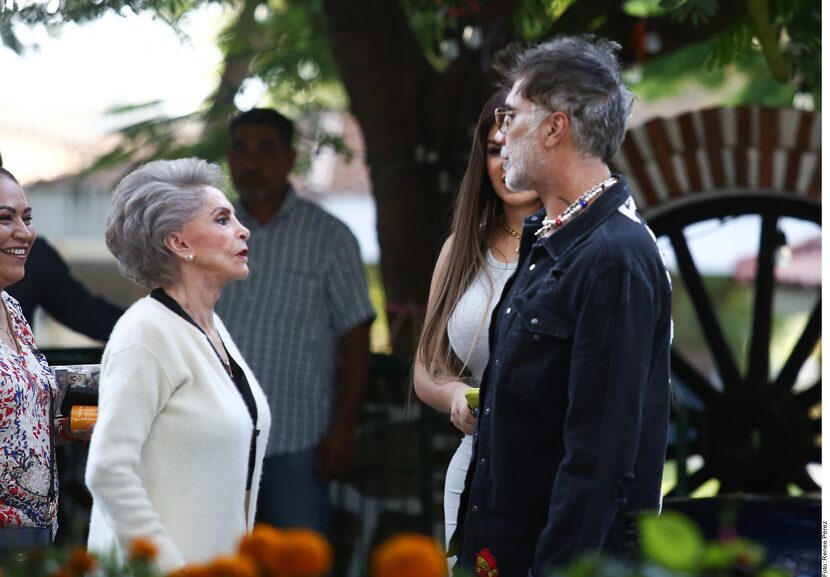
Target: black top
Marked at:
49, 283
237, 374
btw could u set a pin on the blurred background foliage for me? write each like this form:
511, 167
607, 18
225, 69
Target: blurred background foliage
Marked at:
415, 72
284, 44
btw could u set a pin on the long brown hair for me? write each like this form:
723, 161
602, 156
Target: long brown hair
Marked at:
477, 209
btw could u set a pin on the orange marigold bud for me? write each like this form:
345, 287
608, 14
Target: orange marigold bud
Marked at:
142, 549
306, 554
409, 555
80, 561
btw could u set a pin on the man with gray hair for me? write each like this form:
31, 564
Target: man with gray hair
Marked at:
571, 433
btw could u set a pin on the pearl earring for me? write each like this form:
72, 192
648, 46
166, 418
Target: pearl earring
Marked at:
189, 257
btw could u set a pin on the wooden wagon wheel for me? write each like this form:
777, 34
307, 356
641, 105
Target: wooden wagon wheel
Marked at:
753, 431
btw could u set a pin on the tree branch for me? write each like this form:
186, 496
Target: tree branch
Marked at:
238, 59
759, 16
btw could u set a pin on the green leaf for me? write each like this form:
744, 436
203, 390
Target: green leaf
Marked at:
643, 8
717, 557
730, 45
744, 553
672, 540
698, 11
772, 572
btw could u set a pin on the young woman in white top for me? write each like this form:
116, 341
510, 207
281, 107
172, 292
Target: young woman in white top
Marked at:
177, 451
472, 268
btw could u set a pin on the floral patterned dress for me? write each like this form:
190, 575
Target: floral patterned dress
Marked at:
28, 477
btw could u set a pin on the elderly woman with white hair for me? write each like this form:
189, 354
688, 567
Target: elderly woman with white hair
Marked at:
178, 447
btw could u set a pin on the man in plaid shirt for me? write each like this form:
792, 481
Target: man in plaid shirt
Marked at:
301, 320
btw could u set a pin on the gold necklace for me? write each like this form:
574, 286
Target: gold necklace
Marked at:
512, 233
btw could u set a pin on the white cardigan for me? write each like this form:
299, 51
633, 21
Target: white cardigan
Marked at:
168, 459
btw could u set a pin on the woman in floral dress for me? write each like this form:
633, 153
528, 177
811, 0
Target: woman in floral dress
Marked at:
28, 428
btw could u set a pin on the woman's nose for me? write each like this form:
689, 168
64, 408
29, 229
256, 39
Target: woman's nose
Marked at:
24, 231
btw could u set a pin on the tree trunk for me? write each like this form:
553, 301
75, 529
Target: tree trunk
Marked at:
417, 125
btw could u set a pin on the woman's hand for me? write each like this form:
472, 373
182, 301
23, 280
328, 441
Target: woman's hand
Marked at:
64, 433
86, 435
445, 396
460, 413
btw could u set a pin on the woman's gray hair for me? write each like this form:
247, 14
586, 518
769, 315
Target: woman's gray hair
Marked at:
580, 76
148, 204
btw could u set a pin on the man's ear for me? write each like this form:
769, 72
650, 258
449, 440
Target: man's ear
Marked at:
555, 127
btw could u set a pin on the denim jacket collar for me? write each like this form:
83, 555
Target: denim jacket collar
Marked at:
563, 240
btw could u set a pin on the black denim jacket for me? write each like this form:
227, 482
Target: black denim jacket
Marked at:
571, 434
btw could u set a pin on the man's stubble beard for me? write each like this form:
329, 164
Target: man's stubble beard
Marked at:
524, 160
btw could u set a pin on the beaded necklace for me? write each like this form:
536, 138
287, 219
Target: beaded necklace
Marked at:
550, 225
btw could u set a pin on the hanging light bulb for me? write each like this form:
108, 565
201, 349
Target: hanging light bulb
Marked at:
449, 48
472, 37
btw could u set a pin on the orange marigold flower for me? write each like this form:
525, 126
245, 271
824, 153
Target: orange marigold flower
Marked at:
80, 561
142, 549
409, 555
231, 566
306, 554
263, 545
189, 571
291, 553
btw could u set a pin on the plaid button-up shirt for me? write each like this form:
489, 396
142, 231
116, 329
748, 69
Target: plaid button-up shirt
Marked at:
306, 289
